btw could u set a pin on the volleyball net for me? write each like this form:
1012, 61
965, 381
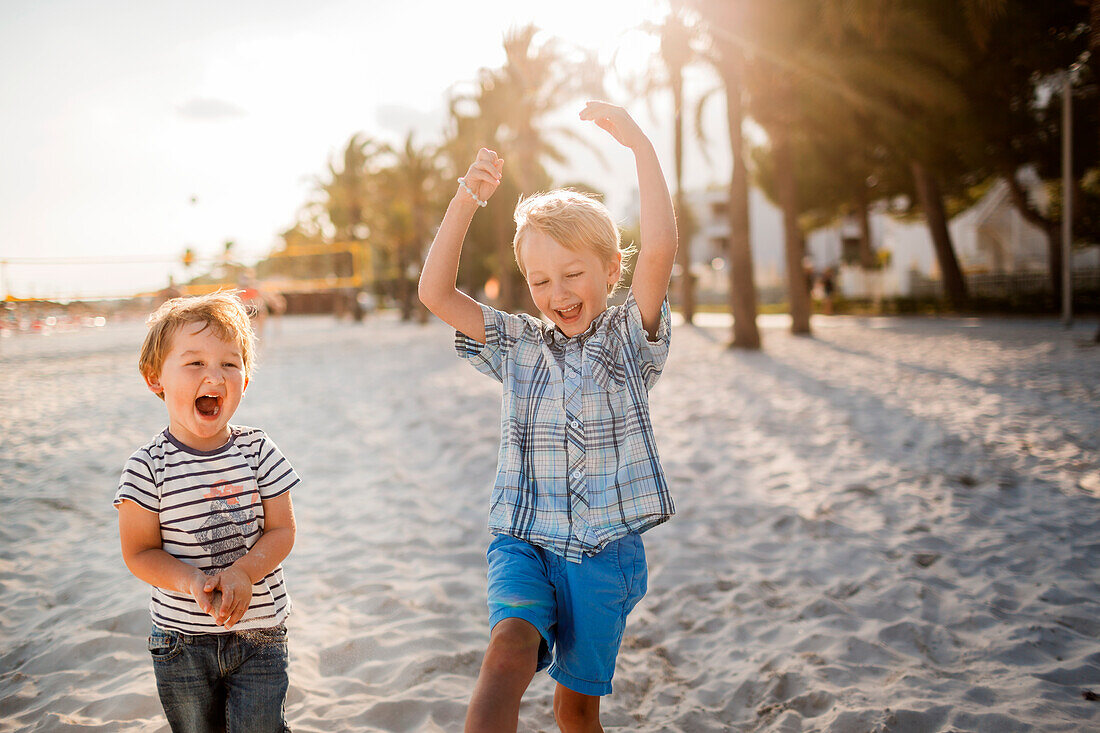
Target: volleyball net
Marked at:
294, 269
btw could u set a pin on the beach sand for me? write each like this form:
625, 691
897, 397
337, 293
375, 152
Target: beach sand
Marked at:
893, 526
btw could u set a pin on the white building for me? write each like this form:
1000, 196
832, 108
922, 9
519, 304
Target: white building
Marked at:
991, 237
711, 239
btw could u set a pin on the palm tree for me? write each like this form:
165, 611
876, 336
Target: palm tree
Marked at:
780, 122
1094, 65
1014, 50
768, 35
930, 196
839, 172
347, 190
748, 38
676, 36
928, 68
1094, 50
346, 196
407, 192
507, 110
725, 53
882, 59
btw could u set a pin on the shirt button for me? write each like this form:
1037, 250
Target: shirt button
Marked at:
578, 473
576, 423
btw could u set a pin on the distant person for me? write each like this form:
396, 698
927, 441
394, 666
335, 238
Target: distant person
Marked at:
254, 302
828, 289
810, 275
579, 478
276, 305
367, 302
205, 517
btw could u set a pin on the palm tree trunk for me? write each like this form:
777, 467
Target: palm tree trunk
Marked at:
683, 252
515, 293
1094, 64
507, 297
931, 200
1051, 230
420, 236
866, 251
798, 286
1094, 47
404, 289
742, 286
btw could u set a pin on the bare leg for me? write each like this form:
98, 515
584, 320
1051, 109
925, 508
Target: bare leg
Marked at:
509, 664
576, 713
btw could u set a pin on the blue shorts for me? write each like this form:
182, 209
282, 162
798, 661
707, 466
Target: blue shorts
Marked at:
579, 609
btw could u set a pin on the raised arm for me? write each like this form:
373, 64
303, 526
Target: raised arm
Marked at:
657, 250
437, 289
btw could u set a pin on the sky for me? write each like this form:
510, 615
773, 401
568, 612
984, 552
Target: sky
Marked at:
130, 131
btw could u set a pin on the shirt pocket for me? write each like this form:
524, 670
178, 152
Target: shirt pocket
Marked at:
607, 361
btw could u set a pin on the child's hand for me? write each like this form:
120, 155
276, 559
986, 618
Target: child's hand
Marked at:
236, 594
616, 121
196, 587
484, 174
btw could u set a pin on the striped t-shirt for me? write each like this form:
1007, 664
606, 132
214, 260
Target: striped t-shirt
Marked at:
210, 509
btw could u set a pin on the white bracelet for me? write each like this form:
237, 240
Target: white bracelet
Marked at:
467, 189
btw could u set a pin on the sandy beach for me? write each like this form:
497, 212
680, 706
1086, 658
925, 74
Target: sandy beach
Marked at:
892, 526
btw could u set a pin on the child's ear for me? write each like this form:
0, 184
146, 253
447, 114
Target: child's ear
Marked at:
245, 385
615, 269
154, 385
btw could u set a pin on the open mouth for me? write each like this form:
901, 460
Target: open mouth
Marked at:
209, 405
570, 313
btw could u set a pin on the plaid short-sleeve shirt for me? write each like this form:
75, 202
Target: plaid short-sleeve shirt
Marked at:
578, 465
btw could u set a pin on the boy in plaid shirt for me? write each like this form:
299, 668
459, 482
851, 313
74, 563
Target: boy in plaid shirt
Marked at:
579, 478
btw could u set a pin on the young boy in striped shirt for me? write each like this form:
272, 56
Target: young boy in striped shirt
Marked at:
579, 477
205, 518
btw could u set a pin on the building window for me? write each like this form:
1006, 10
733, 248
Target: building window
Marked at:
849, 250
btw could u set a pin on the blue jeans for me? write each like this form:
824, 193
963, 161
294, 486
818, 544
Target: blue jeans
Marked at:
233, 682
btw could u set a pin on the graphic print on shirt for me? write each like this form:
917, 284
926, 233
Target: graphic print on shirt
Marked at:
223, 533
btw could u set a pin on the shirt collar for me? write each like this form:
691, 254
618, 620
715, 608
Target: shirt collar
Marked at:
554, 336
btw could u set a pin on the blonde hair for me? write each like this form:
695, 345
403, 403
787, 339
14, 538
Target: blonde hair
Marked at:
222, 312
575, 221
